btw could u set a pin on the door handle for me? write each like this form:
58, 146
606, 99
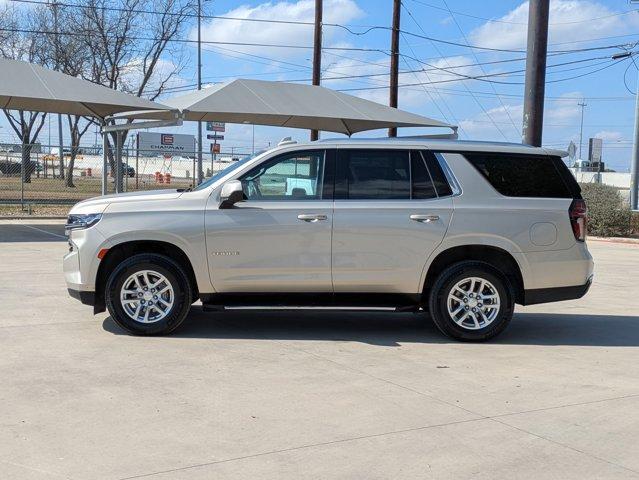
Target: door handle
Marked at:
424, 218
311, 217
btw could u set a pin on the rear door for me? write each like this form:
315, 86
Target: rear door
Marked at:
392, 209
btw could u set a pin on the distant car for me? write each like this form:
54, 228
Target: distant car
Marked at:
130, 171
15, 168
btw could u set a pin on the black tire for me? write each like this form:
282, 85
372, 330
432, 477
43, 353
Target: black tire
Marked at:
174, 274
438, 301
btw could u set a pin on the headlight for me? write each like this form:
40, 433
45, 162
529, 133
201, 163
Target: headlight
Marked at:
79, 221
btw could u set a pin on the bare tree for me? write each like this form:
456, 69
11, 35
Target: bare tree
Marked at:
17, 45
132, 47
69, 54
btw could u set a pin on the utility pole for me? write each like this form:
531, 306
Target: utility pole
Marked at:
583, 104
54, 6
394, 61
535, 71
317, 53
200, 174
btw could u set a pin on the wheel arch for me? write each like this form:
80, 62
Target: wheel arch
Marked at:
497, 257
121, 251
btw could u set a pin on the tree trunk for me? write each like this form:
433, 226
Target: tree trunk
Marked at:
27, 167
68, 181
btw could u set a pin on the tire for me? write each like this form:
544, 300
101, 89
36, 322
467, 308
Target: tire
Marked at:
161, 318
487, 321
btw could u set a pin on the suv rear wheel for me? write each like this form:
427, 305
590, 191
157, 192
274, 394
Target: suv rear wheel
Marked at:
471, 301
148, 294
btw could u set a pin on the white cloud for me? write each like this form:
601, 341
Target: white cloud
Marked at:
609, 136
335, 11
568, 21
560, 115
132, 75
410, 97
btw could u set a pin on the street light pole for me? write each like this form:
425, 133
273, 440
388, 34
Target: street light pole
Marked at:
583, 104
634, 167
54, 6
199, 87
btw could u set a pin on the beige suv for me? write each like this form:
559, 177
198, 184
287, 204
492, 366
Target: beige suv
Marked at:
460, 230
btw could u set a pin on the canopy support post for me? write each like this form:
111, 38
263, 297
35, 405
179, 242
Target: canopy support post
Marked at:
105, 160
118, 161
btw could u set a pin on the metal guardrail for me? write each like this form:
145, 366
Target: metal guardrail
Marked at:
38, 177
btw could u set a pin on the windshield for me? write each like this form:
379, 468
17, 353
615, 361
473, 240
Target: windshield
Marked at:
233, 166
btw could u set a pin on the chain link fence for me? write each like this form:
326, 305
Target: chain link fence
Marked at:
35, 174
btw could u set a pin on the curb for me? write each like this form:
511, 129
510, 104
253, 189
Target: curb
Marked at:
627, 241
32, 217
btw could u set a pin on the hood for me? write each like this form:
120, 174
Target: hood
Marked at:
99, 204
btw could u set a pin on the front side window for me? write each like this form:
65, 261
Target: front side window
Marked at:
291, 176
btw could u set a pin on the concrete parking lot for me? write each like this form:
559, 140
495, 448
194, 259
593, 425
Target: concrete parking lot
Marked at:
312, 395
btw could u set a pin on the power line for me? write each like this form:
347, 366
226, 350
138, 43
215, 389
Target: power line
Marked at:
481, 106
522, 23
184, 40
482, 69
297, 22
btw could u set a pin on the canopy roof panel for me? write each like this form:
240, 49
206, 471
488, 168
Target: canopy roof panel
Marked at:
24, 86
289, 105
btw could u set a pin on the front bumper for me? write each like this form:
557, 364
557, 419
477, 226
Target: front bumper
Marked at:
556, 294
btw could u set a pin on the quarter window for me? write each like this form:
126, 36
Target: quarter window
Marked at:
515, 175
293, 176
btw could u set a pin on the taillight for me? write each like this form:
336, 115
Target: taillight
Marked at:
578, 219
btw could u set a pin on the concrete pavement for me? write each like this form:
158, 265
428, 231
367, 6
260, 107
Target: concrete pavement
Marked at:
312, 395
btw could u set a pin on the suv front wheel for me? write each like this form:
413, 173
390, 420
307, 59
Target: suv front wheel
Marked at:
471, 301
148, 294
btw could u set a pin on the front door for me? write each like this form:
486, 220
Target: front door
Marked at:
279, 239
392, 209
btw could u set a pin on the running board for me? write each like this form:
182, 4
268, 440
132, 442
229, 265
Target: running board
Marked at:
311, 301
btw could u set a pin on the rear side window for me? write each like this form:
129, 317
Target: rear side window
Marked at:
439, 179
423, 187
373, 174
515, 175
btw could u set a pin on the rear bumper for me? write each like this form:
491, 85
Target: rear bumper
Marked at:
87, 298
557, 294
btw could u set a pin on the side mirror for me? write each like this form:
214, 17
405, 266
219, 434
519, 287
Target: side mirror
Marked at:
231, 194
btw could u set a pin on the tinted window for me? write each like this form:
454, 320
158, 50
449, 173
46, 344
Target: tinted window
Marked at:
436, 172
292, 176
422, 182
521, 175
374, 174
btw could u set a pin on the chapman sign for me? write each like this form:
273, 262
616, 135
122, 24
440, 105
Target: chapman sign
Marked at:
166, 143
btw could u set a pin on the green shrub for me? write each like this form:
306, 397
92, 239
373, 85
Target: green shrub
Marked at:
634, 223
608, 214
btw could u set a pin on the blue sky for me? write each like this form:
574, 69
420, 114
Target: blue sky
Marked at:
485, 110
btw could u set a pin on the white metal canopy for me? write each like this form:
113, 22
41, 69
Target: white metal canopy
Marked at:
24, 86
288, 105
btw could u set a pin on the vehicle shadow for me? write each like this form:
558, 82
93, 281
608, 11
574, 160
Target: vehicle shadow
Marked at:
24, 232
392, 329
